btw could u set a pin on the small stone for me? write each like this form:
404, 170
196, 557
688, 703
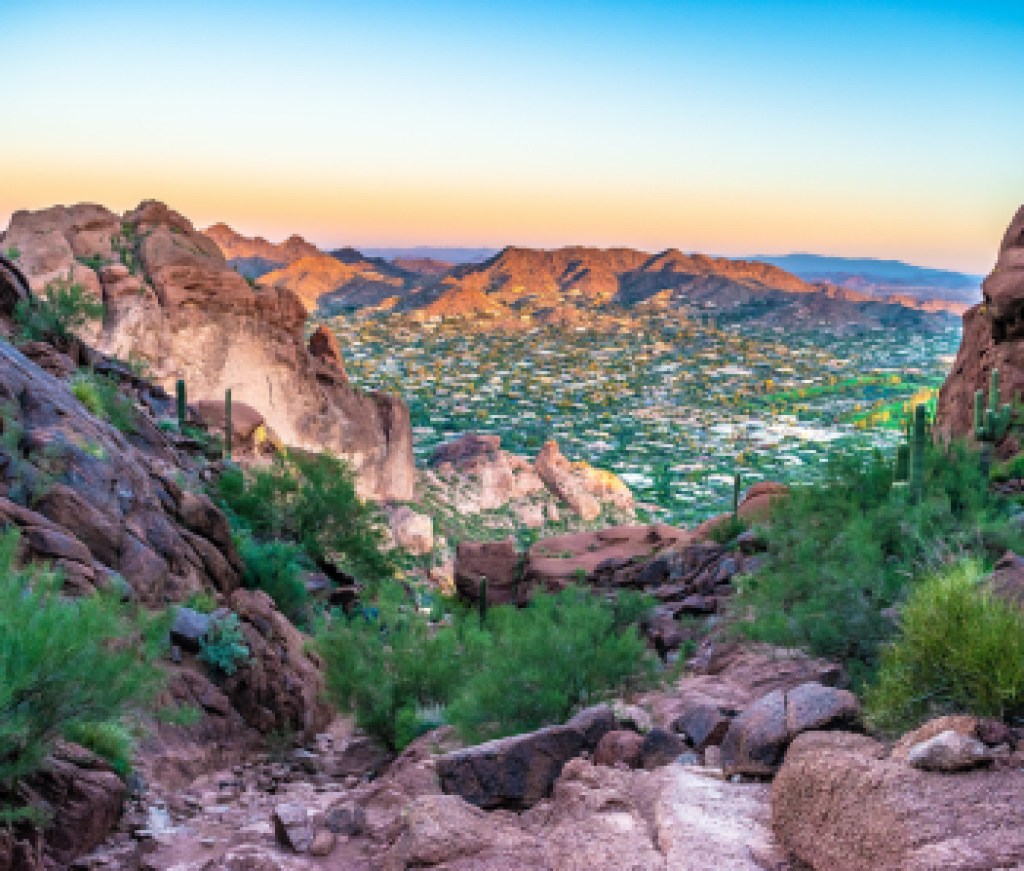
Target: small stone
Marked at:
632, 717
661, 747
323, 843
949, 751
292, 828
703, 725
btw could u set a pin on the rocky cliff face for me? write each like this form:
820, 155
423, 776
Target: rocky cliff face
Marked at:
993, 339
173, 302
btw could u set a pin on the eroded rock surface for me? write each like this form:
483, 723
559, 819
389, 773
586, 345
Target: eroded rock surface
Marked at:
174, 302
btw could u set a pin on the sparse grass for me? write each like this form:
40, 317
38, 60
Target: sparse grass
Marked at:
102, 396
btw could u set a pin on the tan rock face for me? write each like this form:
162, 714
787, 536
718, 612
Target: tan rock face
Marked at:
173, 301
993, 338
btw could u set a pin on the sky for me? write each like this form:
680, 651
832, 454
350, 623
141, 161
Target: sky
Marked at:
891, 130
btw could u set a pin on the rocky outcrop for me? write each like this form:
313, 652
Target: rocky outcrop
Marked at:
840, 803
993, 338
81, 797
173, 301
97, 504
473, 474
411, 531
584, 488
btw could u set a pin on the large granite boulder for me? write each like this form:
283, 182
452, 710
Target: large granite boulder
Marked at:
173, 301
840, 803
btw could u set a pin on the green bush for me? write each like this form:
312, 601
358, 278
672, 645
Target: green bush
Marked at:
843, 552
62, 310
960, 649
223, 648
68, 667
278, 568
12, 253
102, 396
562, 652
204, 602
386, 665
311, 500
525, 668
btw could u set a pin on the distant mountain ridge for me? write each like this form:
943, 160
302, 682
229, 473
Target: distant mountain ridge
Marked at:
574, 285
881, 277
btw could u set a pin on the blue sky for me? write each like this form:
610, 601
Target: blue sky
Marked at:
885, 129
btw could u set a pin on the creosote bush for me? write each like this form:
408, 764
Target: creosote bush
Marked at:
960, 649
63, 309
520, 670
69, 668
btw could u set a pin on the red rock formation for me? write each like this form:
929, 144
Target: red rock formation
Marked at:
174, 302
993, 338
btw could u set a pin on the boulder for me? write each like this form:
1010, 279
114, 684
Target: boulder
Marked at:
620, 747
838, 803
411, 531
292, 827
518, 771
498, 562
189, 628
661, 747
82, 797
703, 725
949, 751
757, 739
814, 706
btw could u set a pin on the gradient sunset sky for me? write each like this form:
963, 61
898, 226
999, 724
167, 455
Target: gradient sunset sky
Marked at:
867, 128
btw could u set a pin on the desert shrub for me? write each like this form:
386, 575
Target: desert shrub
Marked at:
960, 649
68, 667
842, 552
102, 396
62, 310
12, 253
728, 529
111, 740
278, 568
524, 668
223, 647
311, 500
540, 663
388, 664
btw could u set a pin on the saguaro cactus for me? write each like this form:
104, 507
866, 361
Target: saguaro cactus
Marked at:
991, 421
736, 481
902, 463
482, 604
917, 449
228, 428
181, 402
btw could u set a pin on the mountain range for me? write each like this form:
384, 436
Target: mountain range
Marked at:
519, 287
